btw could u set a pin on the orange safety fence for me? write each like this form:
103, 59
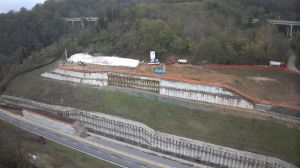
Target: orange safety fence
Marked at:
258, 67
218, 84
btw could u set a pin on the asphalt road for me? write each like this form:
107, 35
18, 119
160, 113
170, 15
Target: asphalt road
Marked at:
111, 152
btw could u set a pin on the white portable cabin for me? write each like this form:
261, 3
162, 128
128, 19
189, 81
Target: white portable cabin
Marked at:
274, 63
182, 61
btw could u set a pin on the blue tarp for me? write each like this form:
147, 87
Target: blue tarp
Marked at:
159, 71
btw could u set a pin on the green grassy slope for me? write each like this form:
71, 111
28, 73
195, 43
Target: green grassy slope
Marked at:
266, 137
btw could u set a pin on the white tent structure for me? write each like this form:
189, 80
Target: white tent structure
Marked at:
103, 60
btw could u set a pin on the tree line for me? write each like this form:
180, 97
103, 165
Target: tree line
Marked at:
203, 31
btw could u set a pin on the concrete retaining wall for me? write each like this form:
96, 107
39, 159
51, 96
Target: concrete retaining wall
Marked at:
195, 87
205, 93
94, 79
142, 135
51, 123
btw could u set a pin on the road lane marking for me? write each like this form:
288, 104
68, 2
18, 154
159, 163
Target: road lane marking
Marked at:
114, 156
142, 165
127, 161
161, 165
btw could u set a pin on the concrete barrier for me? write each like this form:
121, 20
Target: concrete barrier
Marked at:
140, 134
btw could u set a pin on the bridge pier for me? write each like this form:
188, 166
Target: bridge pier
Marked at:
291, 31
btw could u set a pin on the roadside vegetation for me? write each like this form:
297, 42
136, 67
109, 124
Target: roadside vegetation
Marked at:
16, 146
265, 137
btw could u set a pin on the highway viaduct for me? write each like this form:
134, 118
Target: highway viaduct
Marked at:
81, 20
293, 26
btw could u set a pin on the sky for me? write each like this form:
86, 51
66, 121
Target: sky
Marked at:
7, 5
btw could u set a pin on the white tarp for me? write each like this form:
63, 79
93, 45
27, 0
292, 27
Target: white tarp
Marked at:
104, 60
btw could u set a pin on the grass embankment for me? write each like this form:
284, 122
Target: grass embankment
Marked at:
266, 137
51, 154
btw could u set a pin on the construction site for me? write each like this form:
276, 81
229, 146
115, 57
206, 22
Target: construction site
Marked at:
255, 84
143, 104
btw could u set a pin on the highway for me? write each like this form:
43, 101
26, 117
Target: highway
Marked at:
116, 154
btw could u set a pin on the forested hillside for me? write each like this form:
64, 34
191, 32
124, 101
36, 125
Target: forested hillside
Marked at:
203, 31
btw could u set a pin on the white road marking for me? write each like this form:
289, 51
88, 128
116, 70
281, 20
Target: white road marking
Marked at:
114, 156
127, 161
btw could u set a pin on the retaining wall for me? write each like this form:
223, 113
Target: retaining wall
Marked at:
142, 135
51, 123
94, 79
136, 82
205, 93
193, 91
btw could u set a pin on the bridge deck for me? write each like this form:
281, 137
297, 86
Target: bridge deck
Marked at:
278, 22
80, 19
